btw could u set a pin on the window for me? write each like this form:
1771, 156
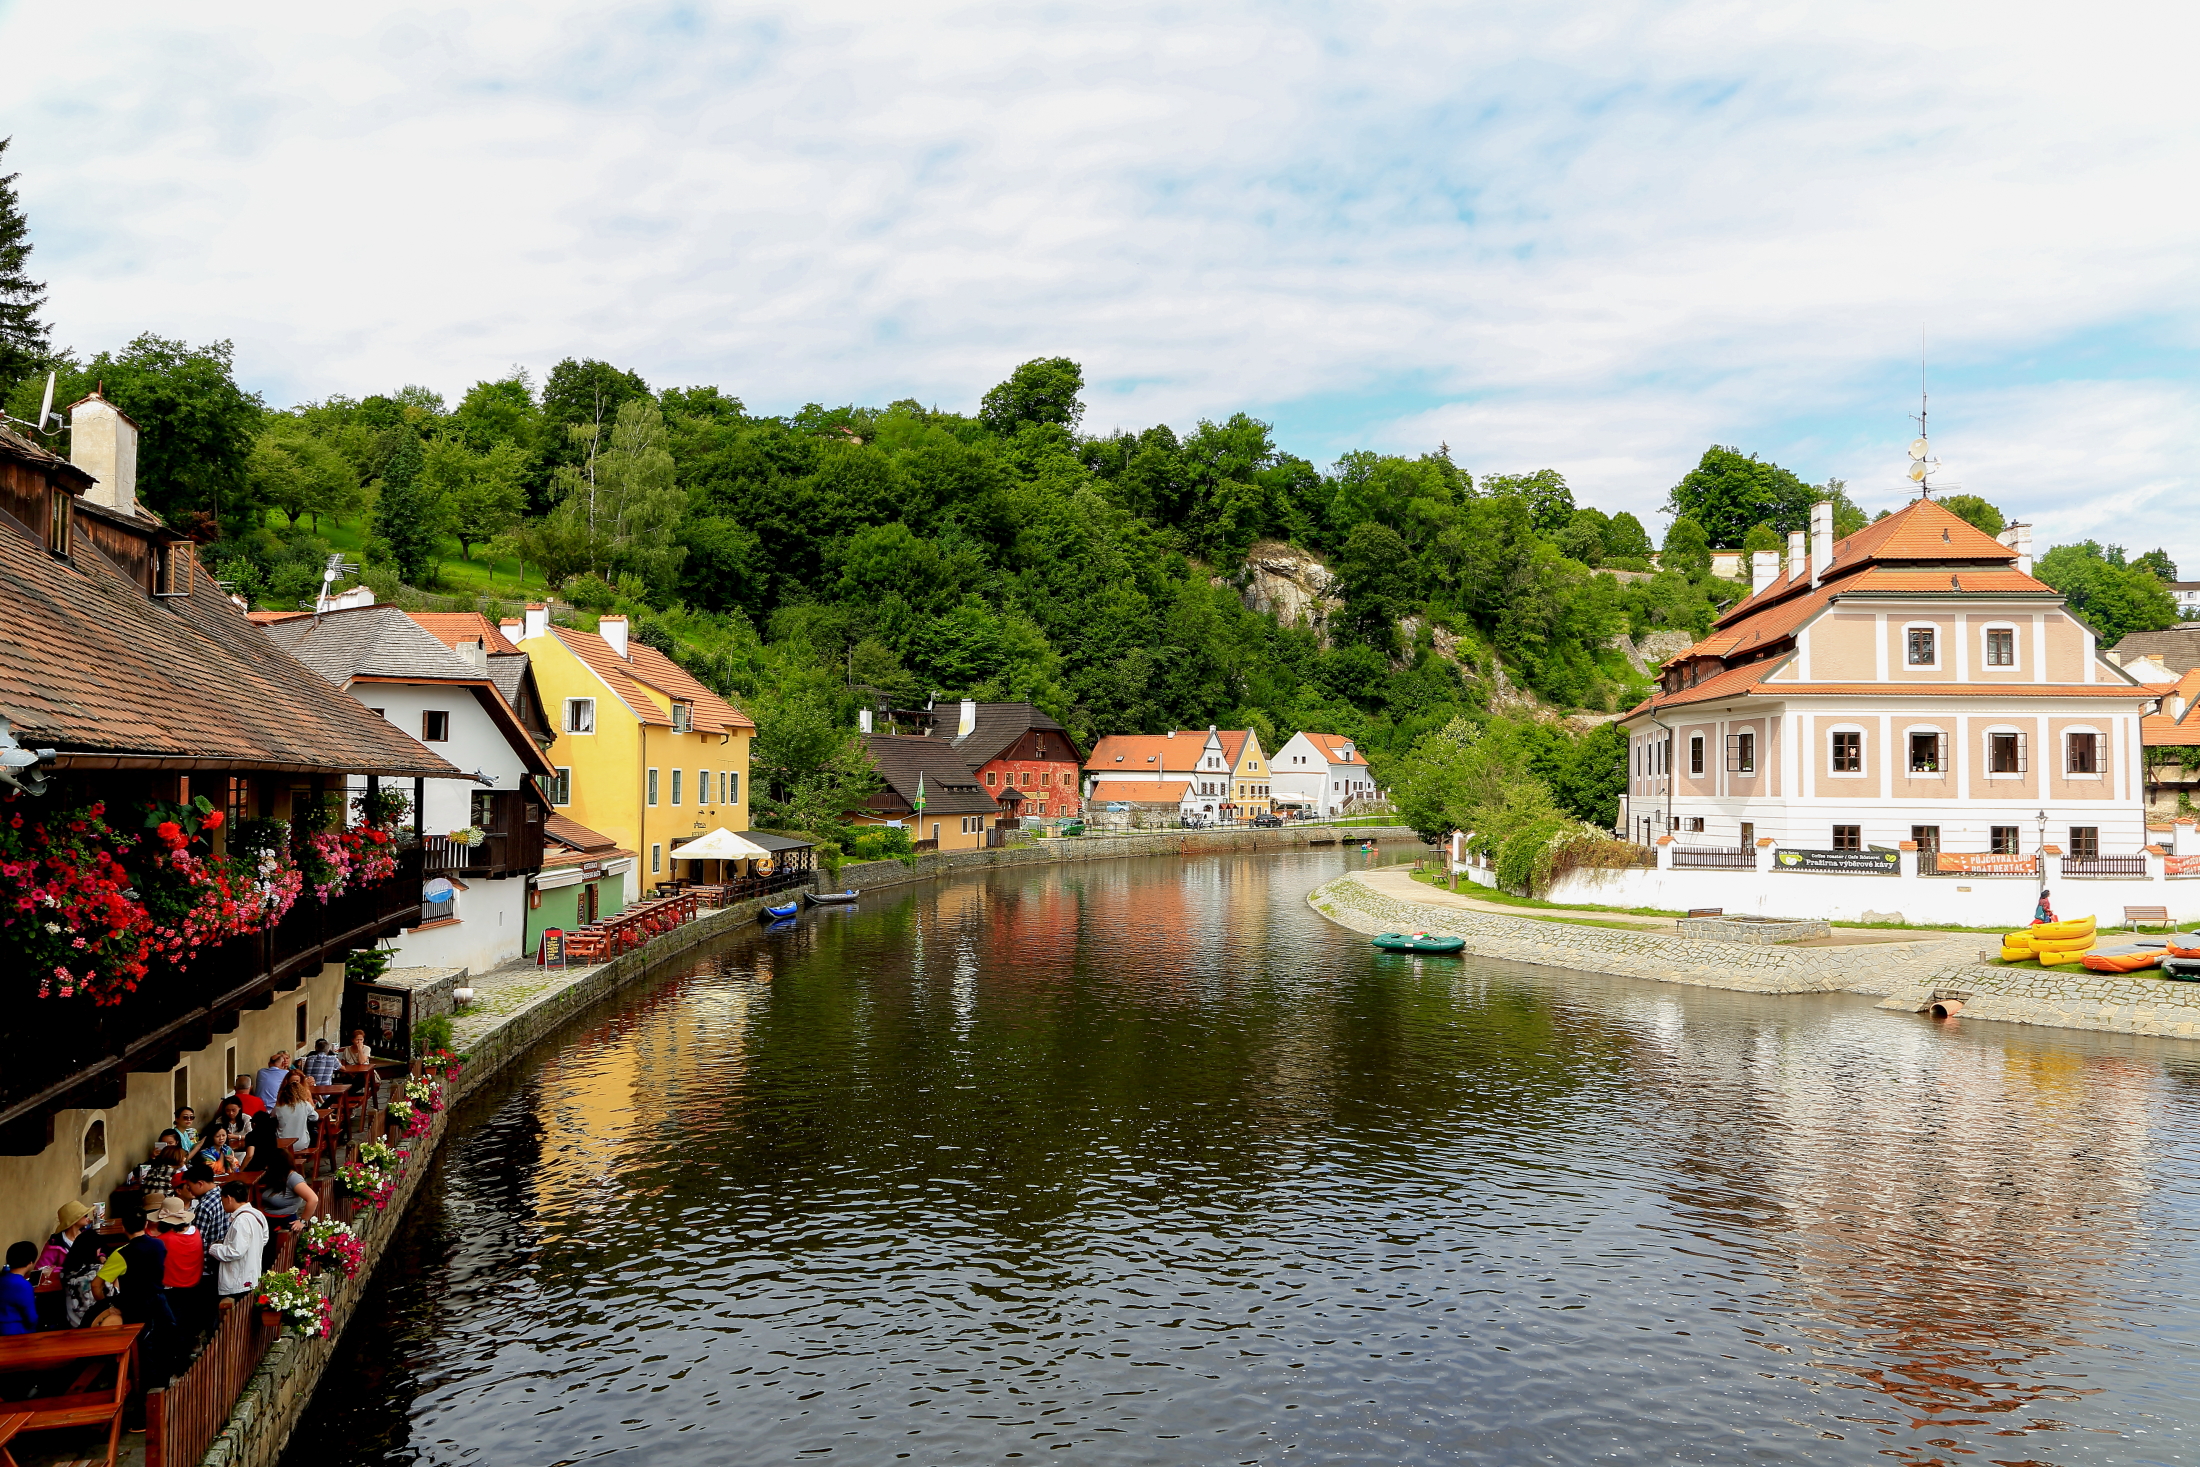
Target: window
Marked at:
2083, 753
1921, 642
182, 1095
1848, 756
95, 1146
2001, 647
652, 796
171, 570
1749, 834
683, 717
60, 516
991, 777
300, 1035
1926, 836
656, 859
435, 727
1928, 753
1848, 837
703, 786
676, 785
1692, 822
580, 715
561, 788
2085, 842
1741, 753
2005, 753
1695, 753
238, 803
2002, 840
733, 789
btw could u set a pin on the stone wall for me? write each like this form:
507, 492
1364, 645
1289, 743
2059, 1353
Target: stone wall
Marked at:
2065, 998
870, 875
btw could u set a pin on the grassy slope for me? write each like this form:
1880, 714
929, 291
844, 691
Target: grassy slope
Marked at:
458, 577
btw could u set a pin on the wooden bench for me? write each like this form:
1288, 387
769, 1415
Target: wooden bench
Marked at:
81, 1406
2133, 916
1707, 911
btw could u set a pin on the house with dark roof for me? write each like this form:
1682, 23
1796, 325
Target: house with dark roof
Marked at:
643, 751
484, 830
931, 791
1025, 760
1912, 683
129, 682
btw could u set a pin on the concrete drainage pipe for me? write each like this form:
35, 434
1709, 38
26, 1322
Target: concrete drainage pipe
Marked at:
1946, 1008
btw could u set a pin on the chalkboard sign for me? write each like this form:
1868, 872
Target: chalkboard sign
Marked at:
1839, 863
553, 948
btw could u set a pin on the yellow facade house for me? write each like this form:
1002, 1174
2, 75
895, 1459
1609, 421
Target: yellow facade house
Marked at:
1249, 772
644, 753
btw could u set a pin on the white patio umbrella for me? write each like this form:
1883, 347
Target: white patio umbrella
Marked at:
720, 845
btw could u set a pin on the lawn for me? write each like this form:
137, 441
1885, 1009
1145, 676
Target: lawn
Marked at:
1511, 899
455, 576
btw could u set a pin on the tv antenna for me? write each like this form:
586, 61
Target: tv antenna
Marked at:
1922, 464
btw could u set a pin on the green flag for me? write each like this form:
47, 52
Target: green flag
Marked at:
919, 801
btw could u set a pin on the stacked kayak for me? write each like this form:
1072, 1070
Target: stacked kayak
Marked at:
2124, 957
2182, 944
2050, 944
1419, 942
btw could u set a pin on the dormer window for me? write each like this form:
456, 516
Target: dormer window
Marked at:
60, 519
171, 569
683, 717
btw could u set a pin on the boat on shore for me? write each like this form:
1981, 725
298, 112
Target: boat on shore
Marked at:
830, 898
1418, 942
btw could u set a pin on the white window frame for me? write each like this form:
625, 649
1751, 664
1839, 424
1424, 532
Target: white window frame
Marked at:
733, 786
705, 786
2100, 752
2016, 647
1940, 637
1863, 749
1946, 745
683, 717
1986, 752
579, 711
678, 779
87, 1171
656, 857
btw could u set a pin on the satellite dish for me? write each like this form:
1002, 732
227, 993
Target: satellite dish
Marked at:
45, 410
1917, 448
1917, 473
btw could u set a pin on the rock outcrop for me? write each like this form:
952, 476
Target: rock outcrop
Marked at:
1289, 582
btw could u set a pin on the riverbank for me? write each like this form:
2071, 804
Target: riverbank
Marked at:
518, 1006
1911, 975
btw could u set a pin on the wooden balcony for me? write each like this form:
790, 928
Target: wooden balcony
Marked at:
58, 1054
511, 845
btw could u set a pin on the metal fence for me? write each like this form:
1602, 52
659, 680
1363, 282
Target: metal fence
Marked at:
1712, 858
2104, 866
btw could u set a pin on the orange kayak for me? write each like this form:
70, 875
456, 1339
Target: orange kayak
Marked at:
2121, 962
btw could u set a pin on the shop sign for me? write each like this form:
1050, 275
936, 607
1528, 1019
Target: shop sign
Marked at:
592, 870
2181, 865
1839, 863
1984, 863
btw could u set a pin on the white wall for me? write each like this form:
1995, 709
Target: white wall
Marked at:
491, 929
1958, 901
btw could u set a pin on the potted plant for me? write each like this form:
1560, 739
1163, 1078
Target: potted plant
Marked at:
332, 1247
291, 1297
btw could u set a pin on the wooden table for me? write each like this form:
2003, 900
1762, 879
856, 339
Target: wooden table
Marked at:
10, 1424
57, 1350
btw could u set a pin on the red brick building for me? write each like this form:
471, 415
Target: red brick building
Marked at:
1024, 759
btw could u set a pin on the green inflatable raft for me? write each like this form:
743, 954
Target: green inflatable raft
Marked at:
1419, 942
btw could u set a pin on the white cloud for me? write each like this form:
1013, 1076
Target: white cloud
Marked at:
1596, 236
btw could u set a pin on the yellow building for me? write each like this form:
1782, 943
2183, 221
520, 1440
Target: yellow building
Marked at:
1249, 772
644, 753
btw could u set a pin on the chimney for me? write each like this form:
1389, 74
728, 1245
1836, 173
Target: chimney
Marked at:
1764, 569
2019, 539
613, 630
538, 621
1821, 540
863, 720
104, 443
474, 654
1798, 551
510, 626
966, 722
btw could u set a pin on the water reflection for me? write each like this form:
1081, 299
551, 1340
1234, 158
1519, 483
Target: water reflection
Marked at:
1146, 1163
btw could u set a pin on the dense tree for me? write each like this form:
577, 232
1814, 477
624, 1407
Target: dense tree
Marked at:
1975, 512
1627, 540
196, 427
2113, 597
1687, 549
1727, 492
2157, 563
1042, 391
1550, 503
25, 341
405, 512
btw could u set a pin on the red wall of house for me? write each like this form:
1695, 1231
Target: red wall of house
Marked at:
1056, 798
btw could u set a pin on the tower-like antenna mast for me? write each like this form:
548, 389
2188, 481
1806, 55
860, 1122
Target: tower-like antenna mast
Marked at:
1922, 467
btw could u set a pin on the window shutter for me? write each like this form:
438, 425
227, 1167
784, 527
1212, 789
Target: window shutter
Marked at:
2023, 766
1940, 752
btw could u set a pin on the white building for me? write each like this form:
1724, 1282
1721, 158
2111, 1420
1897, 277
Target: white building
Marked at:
484, 833
1322, 774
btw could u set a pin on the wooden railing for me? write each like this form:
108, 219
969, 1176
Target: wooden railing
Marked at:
183, 1418
1713, 858
2104, 866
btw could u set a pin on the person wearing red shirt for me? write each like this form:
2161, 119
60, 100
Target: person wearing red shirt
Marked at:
178, 1232
248, 1096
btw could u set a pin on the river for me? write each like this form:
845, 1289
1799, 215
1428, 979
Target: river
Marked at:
1144, 1162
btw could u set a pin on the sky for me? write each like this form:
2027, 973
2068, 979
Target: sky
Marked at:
1597, 238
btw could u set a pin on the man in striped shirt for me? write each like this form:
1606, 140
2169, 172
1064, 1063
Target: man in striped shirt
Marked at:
321, 1065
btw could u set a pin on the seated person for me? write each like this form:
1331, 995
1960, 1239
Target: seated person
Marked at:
295, 1113
358, 1055
247, 1096
269, 1082
187, 1128
18, 1299
284, 1197
321, 1065
158, 1174
216, 1150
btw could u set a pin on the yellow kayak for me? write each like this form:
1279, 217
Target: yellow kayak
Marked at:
2057, 931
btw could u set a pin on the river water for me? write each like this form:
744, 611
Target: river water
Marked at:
1144, 1162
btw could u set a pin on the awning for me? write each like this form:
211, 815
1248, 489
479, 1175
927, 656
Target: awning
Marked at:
720, 845
775, 844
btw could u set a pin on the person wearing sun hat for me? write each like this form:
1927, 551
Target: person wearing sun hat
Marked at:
186, 1259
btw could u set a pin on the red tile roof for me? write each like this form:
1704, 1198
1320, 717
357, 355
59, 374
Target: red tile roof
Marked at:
2165, 729
1179, 752
453, 627
1137, 792
1333, 748
646, 667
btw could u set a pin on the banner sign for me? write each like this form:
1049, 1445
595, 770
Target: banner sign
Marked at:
1842, 863
2181, 865
1983, 863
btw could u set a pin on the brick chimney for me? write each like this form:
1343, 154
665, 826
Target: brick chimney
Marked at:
613, 630
103, 442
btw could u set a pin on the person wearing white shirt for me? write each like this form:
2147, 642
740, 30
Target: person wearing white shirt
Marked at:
239, 1252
